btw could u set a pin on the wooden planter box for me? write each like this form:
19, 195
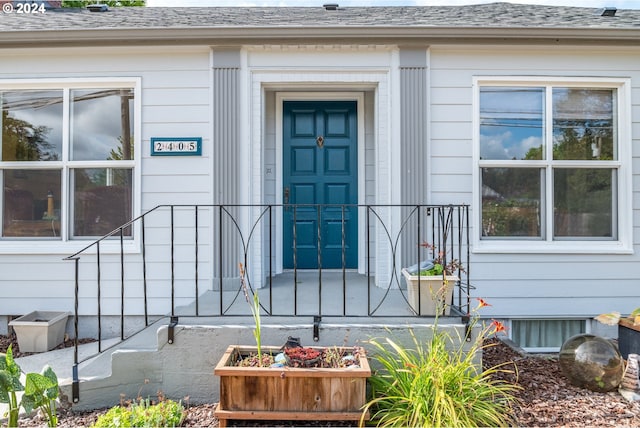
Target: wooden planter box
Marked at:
628, 337
427, 294
289, 393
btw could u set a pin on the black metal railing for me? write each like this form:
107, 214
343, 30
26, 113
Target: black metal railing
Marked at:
155, 265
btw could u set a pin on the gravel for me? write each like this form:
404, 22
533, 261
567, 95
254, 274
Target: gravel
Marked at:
546, 399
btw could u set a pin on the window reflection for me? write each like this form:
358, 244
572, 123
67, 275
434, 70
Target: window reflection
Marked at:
31, 125
102, 124
511, 202
102, 200
583, 201
583, 124
511, 123
31, 201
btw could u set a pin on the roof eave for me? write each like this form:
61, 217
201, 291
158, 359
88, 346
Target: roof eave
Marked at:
106, 37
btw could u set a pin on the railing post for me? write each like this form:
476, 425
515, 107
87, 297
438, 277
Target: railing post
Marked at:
319, 217
196, 260
121, 283
99, 298
220, 282
419, 236
295, 261
173, 275
75, 387
468, 267
271, 259
344, 265
144, 275
368, 234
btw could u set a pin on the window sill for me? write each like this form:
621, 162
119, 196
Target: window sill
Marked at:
555, 247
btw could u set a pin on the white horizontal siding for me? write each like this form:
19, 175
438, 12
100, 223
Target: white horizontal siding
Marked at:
175, 103
530, 285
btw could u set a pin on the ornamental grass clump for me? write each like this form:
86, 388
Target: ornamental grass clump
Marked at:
437, 383
254, 305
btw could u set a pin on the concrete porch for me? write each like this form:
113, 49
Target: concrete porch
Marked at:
147, 362
312, 293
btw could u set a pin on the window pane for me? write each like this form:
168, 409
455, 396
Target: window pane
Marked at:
583, 203
511, 123
31, 203
511, 202
544, 333
102, 200
31, 125
583, 124
102, 124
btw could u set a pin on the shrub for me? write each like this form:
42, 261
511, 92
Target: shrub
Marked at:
143, 413
437, 383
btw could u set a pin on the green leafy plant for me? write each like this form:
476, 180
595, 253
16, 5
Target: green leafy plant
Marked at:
440, 266
41, 391
143, 413
9, 385
437, 383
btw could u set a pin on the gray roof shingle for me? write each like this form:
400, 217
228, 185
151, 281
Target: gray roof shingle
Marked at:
317, 20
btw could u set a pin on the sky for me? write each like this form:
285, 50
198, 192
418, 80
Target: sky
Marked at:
620, 4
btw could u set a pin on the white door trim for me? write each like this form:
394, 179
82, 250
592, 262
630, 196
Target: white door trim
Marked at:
257, 82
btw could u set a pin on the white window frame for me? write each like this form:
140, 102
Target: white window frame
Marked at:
68, 244
623, 244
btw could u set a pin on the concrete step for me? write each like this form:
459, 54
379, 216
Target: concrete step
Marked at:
146, 363
185, 367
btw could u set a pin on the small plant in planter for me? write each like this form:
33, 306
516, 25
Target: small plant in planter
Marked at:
302, 357
614, 318
330, 358
253, 360
299, 356
430, 282
440, 266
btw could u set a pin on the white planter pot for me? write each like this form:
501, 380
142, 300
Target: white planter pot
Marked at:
40, 331
435, 293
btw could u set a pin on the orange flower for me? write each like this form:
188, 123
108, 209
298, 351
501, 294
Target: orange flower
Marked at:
481, 303
498, 326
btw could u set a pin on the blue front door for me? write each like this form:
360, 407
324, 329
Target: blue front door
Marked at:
320, 182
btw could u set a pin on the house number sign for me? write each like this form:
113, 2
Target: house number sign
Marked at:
178, 146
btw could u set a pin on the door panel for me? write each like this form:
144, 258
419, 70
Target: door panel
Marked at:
320, 167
